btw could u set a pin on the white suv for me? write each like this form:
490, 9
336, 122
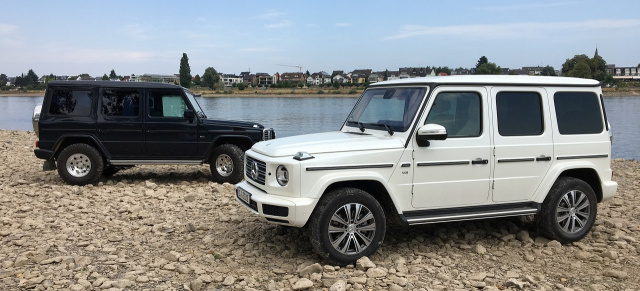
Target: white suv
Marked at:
438, 149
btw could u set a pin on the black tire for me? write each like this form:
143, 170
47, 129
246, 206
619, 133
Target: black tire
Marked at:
565, 215
227, 164
80, 164
372, 229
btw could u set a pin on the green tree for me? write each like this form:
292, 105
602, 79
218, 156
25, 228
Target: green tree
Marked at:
32, 78
489, 69
219, 84
241, 86
210, 78
598, 64
581, 70
105, 77
3, 80
385, 76
570, 63
307, 73
112, 75
481, 61
185, 71
196, 80
548, 71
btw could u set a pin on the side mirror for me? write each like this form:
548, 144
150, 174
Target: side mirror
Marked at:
189, 114
429, 132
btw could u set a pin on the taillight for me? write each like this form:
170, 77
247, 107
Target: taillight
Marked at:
37, 141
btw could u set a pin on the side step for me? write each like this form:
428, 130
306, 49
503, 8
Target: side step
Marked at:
469, 213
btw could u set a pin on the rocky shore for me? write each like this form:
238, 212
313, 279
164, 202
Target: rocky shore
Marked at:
171, 228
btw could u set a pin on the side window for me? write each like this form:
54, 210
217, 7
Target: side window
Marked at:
166, 103
519, 113
120, 102
71, 102
459, 112
578, 112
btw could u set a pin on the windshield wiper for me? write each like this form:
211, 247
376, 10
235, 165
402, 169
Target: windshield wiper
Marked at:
389, 130
360, 124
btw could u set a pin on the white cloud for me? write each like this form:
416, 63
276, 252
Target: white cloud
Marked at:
343, 24
6, 29
257, 49
514, 30
281, 24
136, 31
270, 15
527, 6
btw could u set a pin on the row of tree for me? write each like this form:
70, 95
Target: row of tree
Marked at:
209, 79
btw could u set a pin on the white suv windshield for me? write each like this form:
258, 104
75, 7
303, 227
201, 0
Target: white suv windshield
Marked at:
392, 109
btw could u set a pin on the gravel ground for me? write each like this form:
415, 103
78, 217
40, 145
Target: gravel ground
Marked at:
171, 228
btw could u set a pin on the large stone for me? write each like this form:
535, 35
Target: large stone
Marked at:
376, 272
196, 285
339, 286
616, 274
315, 268
364, 264
302, 283
477, 276
229, 280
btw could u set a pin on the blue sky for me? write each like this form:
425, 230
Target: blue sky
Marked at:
137, 37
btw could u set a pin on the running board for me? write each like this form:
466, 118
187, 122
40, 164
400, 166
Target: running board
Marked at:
154, 162
469, 213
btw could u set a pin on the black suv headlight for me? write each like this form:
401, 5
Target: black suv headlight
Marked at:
282, 175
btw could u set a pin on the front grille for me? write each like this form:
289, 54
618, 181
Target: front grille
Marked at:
268, 134
275, 210
255, 170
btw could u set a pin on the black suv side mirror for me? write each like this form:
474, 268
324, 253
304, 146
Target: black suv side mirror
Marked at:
189, 114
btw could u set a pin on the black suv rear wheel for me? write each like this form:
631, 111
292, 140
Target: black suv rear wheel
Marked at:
226, 164
80, 164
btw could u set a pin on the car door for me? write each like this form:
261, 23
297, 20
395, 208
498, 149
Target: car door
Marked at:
168, 134
456, 171
119, 122
523, 142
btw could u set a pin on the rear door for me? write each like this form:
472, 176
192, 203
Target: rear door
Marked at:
119, 122
168, 134
523, 142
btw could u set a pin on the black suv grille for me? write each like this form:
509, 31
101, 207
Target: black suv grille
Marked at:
255, 170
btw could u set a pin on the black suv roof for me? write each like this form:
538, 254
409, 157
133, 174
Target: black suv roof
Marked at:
113, 84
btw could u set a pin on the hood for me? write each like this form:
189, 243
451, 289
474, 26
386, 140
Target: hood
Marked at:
326, 142
232, 123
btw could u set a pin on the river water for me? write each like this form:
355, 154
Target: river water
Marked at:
294, 116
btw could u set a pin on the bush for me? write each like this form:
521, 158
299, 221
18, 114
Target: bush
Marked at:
320, 92
242, 86
335, 92
353, 91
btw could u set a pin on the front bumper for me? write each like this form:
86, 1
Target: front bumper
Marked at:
276, 209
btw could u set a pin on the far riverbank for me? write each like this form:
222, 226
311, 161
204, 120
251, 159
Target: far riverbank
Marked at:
301, 93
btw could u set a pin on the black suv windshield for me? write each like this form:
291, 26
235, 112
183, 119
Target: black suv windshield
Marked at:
195, 104
386, 108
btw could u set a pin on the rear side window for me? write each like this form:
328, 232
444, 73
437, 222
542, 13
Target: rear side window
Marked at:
578, 112
519, 113
71, 102
120, 102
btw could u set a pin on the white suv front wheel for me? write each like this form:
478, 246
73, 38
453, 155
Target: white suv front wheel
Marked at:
347, 224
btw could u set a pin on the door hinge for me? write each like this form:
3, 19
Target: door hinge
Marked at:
493, 185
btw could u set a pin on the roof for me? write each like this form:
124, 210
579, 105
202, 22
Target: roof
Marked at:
112, 84
493, 80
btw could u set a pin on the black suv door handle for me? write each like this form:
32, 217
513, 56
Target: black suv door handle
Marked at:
479, 161
543, 158
103, 130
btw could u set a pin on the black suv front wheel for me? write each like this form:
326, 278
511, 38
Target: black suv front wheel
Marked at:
80, 164
226, 164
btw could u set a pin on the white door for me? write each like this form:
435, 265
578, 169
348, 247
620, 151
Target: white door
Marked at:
456, 171
523, 142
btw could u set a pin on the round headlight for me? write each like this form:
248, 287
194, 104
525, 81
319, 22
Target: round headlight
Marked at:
282, 175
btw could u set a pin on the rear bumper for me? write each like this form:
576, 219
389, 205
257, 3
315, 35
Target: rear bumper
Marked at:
43, 154
282, 210
609, 190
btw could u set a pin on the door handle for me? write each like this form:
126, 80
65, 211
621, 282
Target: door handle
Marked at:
152, 131
479, 161
103, 130
543, 158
